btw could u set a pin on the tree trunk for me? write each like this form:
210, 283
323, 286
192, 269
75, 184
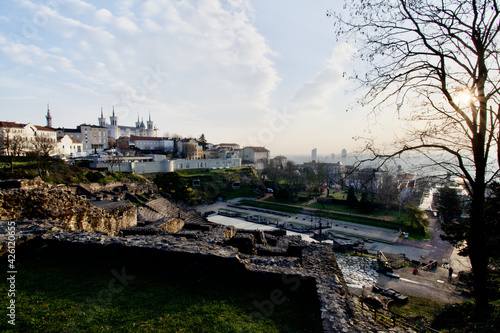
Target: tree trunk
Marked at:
478, 252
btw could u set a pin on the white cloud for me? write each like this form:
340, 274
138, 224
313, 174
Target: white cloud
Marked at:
220, 68
318, 95
103, 16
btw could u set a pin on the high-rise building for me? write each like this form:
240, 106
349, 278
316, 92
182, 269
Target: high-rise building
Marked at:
314, 155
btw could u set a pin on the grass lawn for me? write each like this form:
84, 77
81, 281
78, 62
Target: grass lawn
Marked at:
419, 309
340, 195
243, 192
271, 206
61, 292
345, 209
394, 225
204, 172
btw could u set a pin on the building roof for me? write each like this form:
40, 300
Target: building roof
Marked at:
10, 124
148, 138
72, 139
258, 149
229, 144
69, 130
44, 128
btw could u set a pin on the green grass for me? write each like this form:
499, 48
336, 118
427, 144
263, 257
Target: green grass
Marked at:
394, 225
204, 172
414, 233
340, 195
63, 292
422, 310
345, 209
243, 192
336, 208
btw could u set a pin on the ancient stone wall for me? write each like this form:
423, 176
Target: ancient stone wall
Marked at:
120, 188
60, 204
311, 267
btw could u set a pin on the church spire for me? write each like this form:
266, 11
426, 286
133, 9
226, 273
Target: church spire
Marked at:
102, 120
48, 117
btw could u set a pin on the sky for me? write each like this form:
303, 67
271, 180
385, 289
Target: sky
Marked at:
253, 72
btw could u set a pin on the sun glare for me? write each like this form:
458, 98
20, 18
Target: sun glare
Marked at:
464, 97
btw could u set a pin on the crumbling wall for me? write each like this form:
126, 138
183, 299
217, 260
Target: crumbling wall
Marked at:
60, 204
314, 270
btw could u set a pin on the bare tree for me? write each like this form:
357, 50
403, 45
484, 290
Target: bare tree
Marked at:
12, 145
437, 63
191, 151
43, 147
123, 145
387, 192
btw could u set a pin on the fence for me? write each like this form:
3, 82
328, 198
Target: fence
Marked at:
388, 318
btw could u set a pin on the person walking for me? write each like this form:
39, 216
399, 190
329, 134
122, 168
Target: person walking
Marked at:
450, 273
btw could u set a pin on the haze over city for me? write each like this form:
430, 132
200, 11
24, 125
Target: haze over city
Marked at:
266, 73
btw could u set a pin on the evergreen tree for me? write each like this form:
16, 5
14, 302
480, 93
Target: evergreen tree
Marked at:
448, 205
202, 141
352, 201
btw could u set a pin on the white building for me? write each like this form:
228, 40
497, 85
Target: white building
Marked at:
116, 131
159, 163
27, 135
69, 147
258, 157
152, 143
94, 139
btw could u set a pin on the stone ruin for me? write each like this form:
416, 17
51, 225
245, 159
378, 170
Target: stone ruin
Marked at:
181, 237
44, 202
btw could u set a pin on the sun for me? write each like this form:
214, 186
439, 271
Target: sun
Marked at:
465, 97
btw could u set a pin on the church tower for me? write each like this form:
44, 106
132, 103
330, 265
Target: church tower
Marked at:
137, 125
142, 129
48, 117
102, 120
113, 129
113, 119
150, 129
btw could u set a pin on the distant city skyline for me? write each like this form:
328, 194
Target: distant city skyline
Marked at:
255, 72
